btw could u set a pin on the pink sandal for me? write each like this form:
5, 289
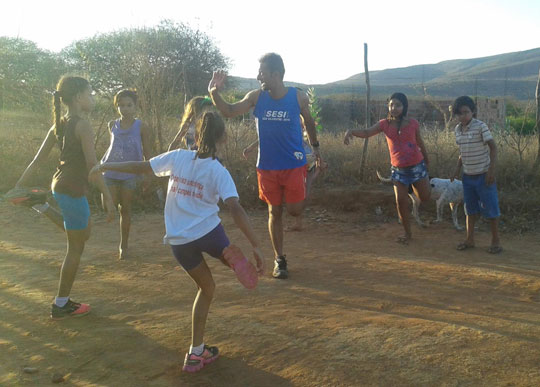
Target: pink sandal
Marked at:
244, 270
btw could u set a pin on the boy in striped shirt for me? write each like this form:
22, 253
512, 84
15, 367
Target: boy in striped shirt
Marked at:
478, 155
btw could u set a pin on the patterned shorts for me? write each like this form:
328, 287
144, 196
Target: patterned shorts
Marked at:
410, 175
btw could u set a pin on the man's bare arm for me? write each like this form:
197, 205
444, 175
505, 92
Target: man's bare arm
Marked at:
230, 110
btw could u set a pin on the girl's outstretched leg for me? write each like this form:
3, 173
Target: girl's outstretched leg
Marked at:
50, 213
422, 189
244, 270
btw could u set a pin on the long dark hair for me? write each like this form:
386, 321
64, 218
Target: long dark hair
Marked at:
195, 109
210, 128
405, 102
67, 88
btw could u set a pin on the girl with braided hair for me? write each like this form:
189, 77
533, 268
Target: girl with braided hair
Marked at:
197, 181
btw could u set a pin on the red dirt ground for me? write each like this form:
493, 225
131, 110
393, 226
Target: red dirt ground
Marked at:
358, 308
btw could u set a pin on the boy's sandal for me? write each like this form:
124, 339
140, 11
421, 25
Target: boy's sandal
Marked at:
495, 249
464, 246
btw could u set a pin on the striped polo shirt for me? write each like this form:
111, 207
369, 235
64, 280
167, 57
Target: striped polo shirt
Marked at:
472, 141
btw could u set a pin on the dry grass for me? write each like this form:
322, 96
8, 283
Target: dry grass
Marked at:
21, 134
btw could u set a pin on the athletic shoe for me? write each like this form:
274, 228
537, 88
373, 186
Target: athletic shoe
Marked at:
280, 268
244, 270
194, 363
26, 196
73, 309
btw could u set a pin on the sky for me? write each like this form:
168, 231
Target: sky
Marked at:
320, 42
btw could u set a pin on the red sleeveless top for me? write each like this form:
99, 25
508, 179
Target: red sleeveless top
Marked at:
404, 151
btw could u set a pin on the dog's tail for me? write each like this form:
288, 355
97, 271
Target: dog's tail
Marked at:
383, 179
389, 180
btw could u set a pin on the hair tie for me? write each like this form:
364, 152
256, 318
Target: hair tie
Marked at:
207, 100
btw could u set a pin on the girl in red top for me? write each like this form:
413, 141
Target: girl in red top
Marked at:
407, 153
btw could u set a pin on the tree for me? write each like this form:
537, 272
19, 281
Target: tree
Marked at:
167, 64
315, 108
27, 74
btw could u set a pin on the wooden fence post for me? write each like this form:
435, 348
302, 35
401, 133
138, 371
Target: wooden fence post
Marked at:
368, 113
537, 161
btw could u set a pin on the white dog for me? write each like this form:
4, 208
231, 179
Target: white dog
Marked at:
443, 191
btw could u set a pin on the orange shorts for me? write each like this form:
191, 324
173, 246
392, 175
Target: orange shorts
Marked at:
288, 184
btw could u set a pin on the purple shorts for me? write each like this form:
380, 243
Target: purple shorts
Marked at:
189, 255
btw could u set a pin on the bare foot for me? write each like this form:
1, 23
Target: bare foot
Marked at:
295, 227
122, 254
403, 239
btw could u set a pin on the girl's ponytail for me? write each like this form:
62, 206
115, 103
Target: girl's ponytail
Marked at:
66, 90
209, 130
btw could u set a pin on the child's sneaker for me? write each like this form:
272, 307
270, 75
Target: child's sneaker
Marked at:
280, 268
194, 363
26, 196
244, 270
73, 309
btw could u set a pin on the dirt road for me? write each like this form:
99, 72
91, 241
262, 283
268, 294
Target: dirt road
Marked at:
358, 309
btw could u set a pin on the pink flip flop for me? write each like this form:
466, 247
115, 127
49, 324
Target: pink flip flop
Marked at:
244, 270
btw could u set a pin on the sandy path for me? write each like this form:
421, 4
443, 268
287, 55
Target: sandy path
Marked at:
358, 309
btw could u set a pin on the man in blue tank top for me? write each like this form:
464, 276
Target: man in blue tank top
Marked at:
281, 165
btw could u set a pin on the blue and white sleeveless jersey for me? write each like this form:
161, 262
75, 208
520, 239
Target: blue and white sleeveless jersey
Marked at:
280, 132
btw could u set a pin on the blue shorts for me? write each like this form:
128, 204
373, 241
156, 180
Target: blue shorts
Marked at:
410, 175
75, 211
479, 197
127, 183
190, 255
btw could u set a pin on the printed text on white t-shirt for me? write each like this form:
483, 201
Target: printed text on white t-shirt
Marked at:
194, 189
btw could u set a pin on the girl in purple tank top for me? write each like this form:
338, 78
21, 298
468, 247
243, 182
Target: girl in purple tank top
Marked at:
130, 141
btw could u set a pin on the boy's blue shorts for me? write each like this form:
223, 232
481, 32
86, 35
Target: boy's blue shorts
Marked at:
75, 211
479, 197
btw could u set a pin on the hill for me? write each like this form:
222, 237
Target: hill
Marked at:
511, 74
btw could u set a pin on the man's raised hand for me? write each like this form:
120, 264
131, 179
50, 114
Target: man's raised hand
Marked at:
218, 80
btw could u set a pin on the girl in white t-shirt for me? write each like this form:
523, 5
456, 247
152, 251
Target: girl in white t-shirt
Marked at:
197, 181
